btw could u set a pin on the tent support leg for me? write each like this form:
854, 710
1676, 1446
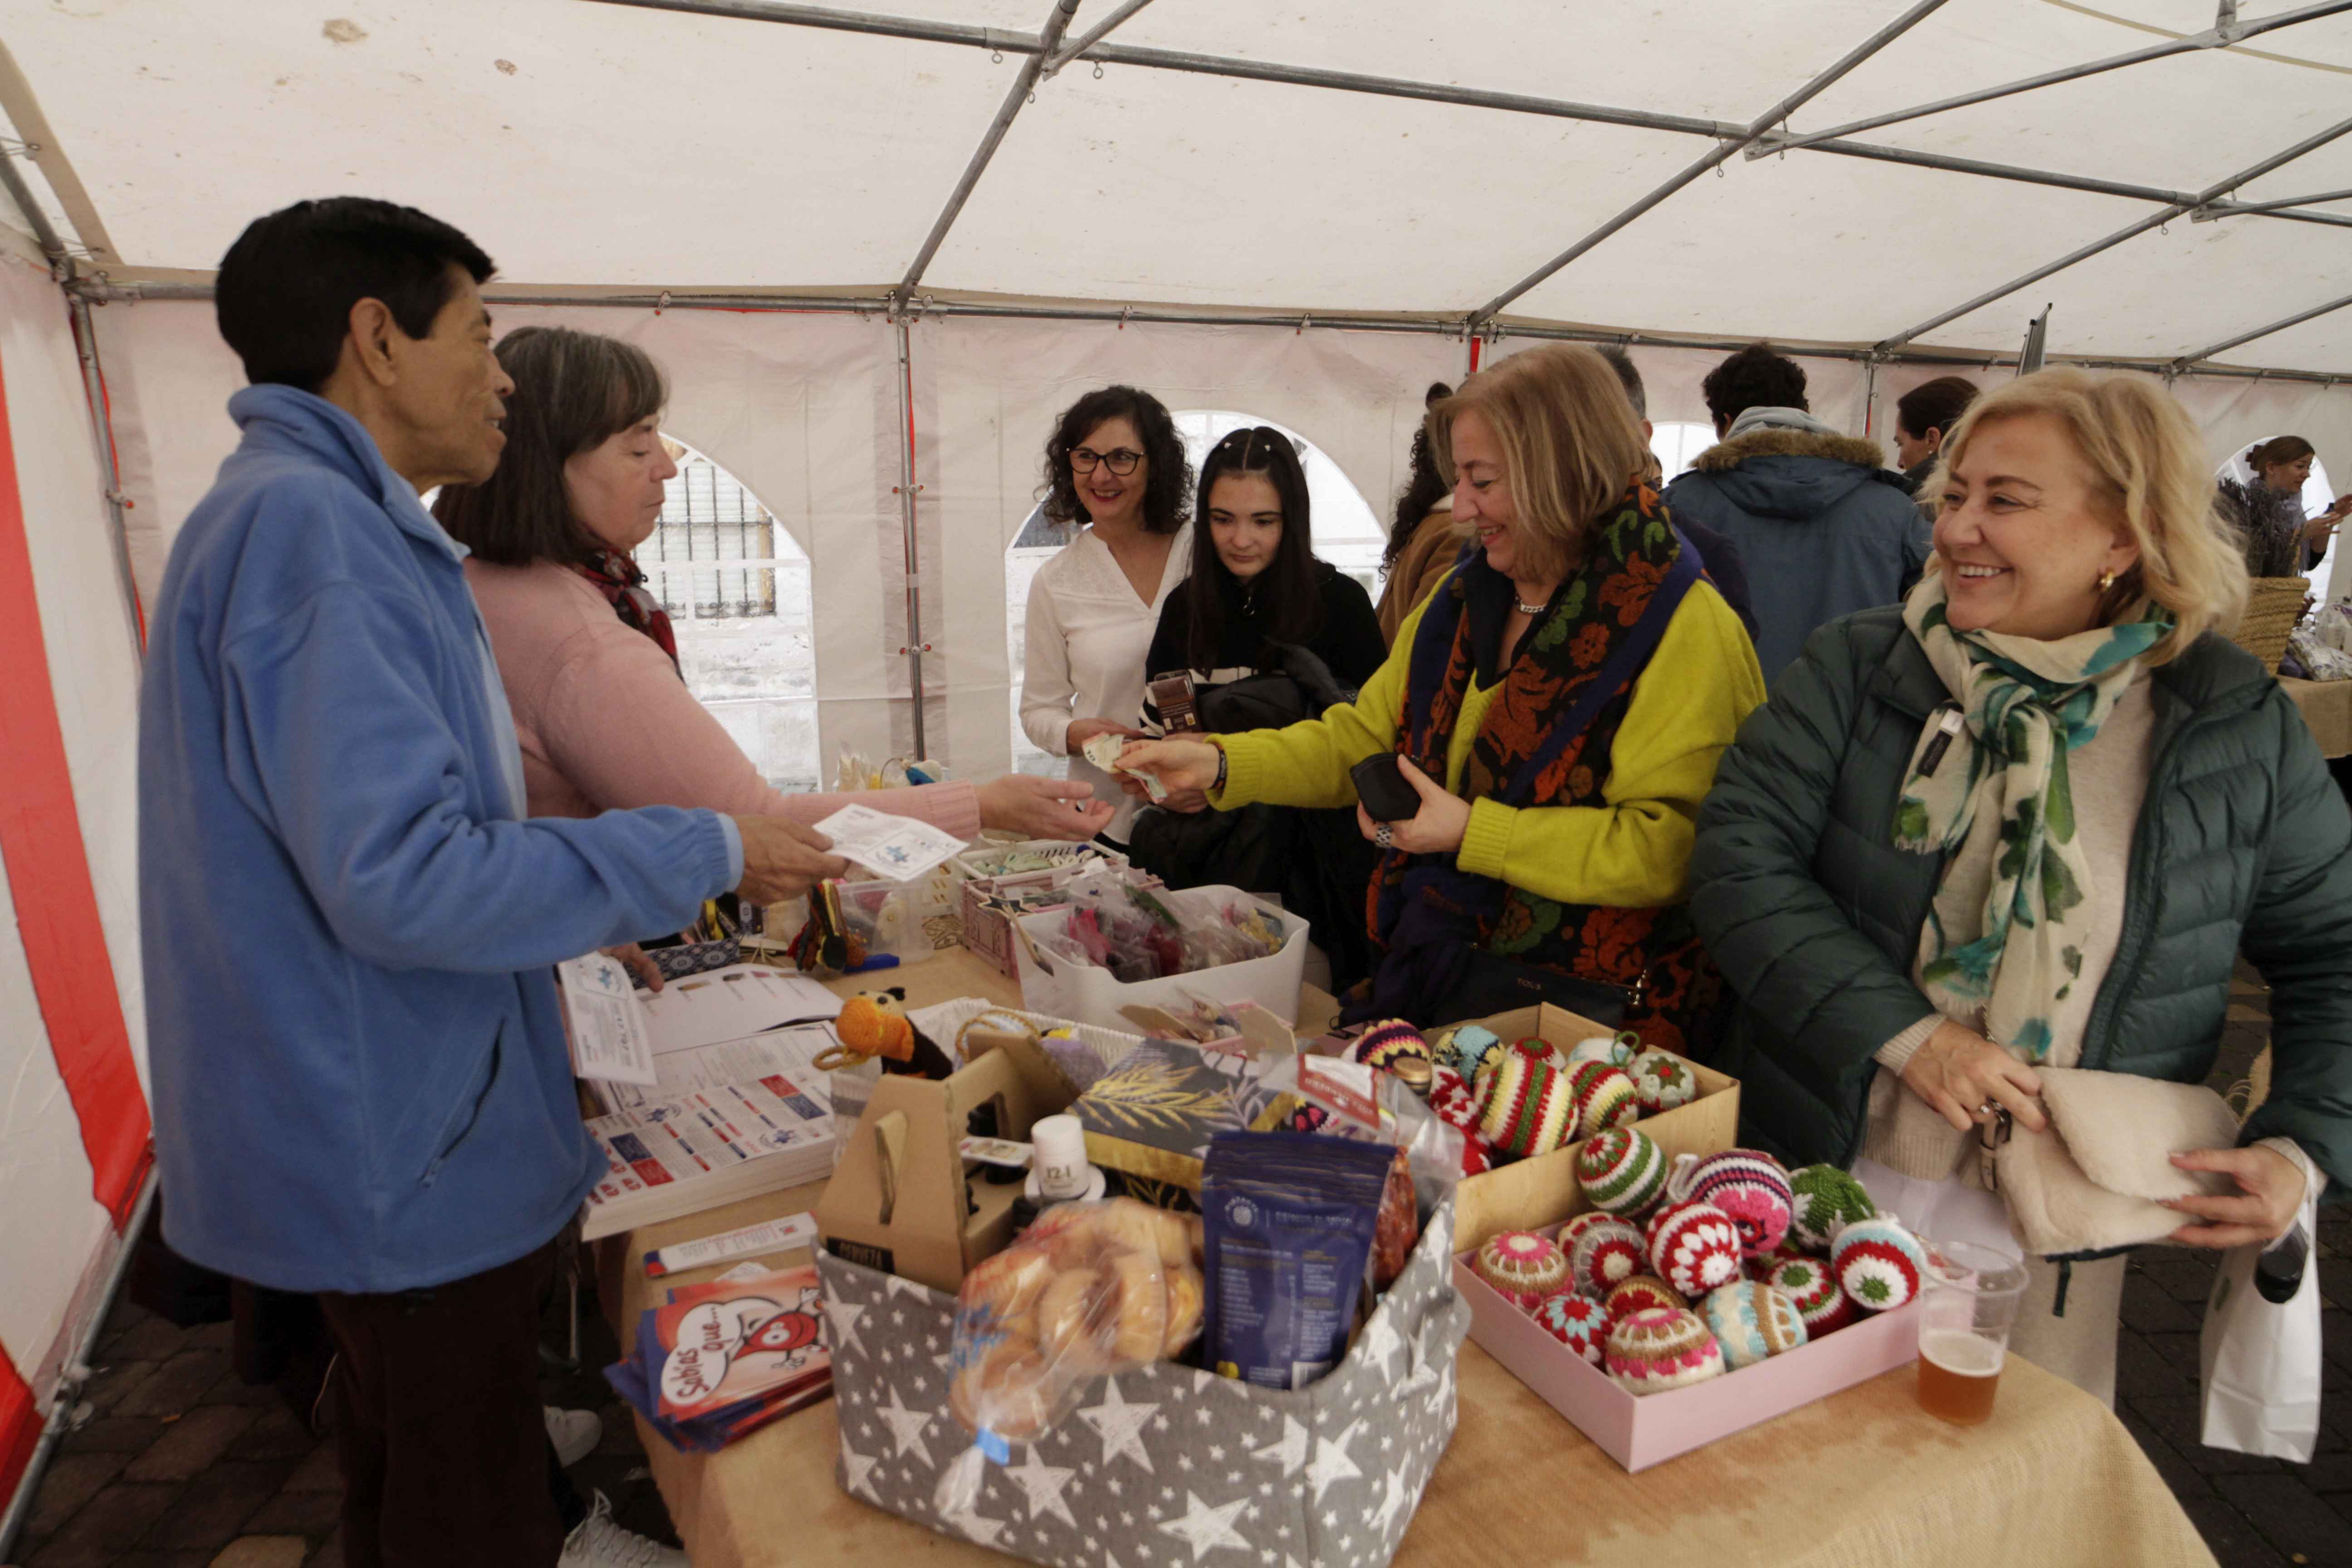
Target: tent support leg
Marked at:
93, 385
916, 647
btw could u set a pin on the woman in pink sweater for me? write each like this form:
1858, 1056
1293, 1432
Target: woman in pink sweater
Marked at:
586, 650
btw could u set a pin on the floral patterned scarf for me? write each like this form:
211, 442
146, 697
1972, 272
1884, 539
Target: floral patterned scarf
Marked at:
2020, 705
616, 577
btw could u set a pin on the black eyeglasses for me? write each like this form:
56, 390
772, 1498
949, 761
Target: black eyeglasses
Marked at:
1121, 462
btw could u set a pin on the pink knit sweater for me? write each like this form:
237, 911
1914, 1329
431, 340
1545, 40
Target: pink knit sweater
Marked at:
607, 724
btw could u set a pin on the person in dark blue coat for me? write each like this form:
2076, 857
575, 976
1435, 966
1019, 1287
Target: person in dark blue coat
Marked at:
1822, 527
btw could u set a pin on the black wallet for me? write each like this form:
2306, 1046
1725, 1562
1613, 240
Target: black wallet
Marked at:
1385, 795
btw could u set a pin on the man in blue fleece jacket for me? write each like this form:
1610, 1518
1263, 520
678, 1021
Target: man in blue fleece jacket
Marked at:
359, 1075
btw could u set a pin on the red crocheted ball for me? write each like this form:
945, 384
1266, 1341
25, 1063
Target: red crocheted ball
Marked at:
1694, 1246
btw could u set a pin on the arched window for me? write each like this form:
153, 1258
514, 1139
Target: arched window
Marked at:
736, 584
1348, 534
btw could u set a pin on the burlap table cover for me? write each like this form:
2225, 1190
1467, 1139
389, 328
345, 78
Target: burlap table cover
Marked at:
2326, 707
1862, 1477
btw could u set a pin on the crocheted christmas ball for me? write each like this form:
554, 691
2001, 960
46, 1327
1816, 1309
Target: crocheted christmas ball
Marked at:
1603, 1096
1527, 1108
1521, 1266
1749, 1185
1577, 1322
1751, 1323
1385, 1041
1643, 1293
1662, 1081
1622, 1172
1604, 1252
1877, 1263
1465, 1048
1610, 1050
1456, 1106
1825, 1198
1813, 1290
1650, 1352
1694, 1246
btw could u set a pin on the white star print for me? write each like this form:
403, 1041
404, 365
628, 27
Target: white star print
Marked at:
1291, 1452
899, 1284
1424, 1358
1216, 1453
855, 1468
1332, 1461
906, 1425
1205, 1528
1167, 1494
1380, 1340
1043, 1484
1387, 1441
1184, 1463
968, 1520
1121, 1424
1236, 1478
1205, 1417
843, 1317
1113, 1483
1393, 1503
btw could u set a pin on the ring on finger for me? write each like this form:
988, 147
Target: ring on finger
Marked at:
1383, 835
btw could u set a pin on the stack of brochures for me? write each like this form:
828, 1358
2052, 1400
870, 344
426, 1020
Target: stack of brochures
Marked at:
725, 1359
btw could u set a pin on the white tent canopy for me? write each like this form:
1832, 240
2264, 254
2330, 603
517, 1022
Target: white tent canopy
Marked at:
878, 245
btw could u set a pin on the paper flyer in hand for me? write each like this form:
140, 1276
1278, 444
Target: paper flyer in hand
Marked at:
898, 847
609, 1042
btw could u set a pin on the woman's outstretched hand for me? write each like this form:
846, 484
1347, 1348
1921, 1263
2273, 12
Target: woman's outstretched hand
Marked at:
1436, 830
1958, 1071
2270, 1191
1042, 808
1178, 764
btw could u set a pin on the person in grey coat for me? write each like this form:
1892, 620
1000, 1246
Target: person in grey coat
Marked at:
1822, 528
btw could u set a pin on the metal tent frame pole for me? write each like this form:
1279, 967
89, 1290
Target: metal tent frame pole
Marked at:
1059, 57
101, 426
2182, 365
916, 647
1722, 153
2224, 33
2250, 209
2130, 231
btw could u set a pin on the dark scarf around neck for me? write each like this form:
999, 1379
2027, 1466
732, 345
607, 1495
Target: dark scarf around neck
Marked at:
616, 577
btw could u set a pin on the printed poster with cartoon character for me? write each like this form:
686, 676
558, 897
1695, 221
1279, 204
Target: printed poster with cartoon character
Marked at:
732, 1341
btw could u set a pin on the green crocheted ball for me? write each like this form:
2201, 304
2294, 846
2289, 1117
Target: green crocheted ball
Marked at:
1826, 1198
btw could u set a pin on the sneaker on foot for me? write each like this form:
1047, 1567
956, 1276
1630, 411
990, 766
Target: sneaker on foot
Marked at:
601, 1543
574, 1433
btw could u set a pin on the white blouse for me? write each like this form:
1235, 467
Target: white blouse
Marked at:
1086, 637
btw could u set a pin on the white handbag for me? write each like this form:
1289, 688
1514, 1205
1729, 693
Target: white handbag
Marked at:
2260, 1356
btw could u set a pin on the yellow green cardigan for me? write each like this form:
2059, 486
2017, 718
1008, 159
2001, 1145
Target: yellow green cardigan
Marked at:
1634, 852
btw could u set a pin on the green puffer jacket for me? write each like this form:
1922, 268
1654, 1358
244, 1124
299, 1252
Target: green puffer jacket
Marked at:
1814, 916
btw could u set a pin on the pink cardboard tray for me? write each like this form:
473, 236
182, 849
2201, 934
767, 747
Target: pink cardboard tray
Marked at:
1639, 1431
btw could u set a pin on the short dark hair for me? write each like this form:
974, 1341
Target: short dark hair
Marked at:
1628, 377
1755, 377
285, 288
1425, 483
1168, 482
1935, 404
1290, 599
2277, 450
573, 391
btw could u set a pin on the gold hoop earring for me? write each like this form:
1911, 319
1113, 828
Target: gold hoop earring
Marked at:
2106, 581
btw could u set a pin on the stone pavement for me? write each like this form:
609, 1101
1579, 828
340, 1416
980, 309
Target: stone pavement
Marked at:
184, 1467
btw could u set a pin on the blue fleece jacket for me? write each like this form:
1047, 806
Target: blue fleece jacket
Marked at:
358, 1064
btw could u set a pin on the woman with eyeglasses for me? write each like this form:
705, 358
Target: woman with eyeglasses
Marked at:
1115, 464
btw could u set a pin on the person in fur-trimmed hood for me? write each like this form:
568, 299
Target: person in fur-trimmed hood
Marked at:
1822, 528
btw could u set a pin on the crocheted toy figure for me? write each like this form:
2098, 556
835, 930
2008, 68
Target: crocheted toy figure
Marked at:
874, 1024
1650, 1352
1694, 1246
1746, 1184
1825, 1198
1622, 1172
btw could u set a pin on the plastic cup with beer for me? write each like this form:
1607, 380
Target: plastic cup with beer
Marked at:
1969, 1303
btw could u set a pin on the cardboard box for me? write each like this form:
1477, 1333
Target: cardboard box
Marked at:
987, 931
1171, 1464
1529, 1194
1094, 995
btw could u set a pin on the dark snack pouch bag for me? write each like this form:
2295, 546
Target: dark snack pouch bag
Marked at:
1290, 1220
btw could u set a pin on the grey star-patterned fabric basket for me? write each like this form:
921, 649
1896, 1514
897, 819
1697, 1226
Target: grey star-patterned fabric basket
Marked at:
1169, 1466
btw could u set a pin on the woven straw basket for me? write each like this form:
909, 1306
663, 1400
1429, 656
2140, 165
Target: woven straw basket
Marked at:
2271, 611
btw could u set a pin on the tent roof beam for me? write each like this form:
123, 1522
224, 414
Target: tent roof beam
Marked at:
1722, 153
2231, 209
2186, 361
2225, 32
2130, 231
1068, 52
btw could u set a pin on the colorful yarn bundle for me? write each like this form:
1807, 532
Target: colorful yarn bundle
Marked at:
1643, 1293
1467, 1047
1604, 1252
1825, 1198
1813, 1290
1650, 1352
1749, 1185
1603, 1096
1877, 1263
1384, 1042
1609, 1050
1751, 1323
1521, 1266
1527, 1106
1622, 1172
1694, 1246
1662, 1080
1579, 1323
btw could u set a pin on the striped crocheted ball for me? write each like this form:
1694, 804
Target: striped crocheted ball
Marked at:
1825, 1198
1602, 1251
1749, 1184
1694, 1246
1813, 1290
1650, 1352
1751, 1323
1609, 1050
1603, 1096
1662, 1080
1643, 1293
1525, 1106
1579, 1323
1521, 1266
1622, 1172
1385, 1041
1465, 1048
1877, 1263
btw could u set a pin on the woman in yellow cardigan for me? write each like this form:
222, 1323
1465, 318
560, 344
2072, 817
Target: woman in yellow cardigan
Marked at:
1573, 681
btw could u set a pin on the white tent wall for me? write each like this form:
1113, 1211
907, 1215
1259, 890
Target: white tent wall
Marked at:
56, 1236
